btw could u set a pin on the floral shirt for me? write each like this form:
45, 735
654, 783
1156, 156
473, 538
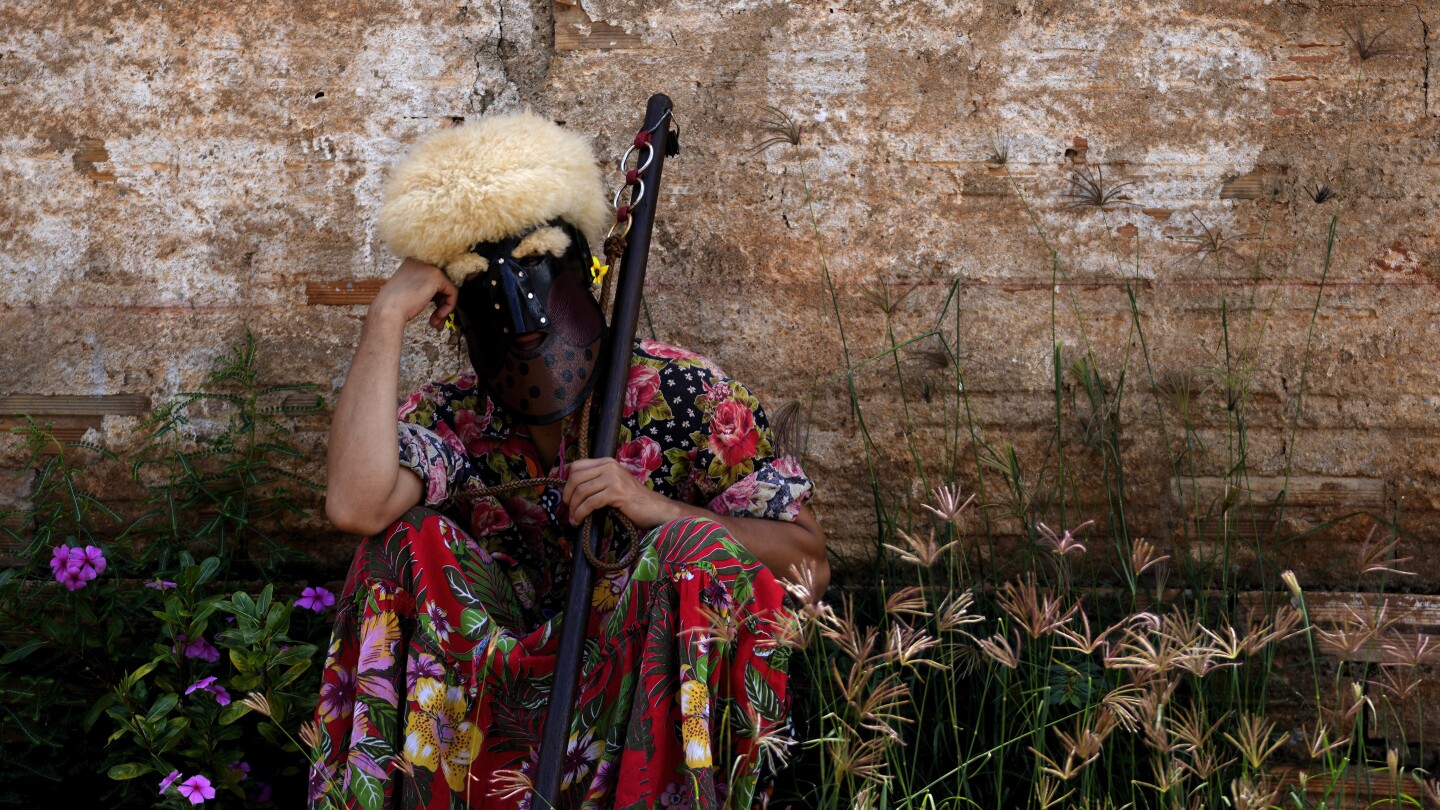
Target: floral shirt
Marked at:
687, 431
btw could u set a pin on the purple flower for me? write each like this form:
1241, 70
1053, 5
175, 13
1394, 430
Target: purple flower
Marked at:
243, 767
168, 781
160, 584
202, 649
74, 567
95, 559
317, 599
199, 648
261, 793
197, 789
203, 683
222, 696
58, 559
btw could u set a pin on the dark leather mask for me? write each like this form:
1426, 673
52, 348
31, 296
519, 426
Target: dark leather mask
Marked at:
535, 285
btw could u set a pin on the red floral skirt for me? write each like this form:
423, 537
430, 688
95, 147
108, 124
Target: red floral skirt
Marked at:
433, 695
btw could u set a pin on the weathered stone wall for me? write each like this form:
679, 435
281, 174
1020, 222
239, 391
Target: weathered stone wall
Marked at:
170, 172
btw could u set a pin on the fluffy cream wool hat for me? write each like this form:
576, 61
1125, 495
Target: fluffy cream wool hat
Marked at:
484, 181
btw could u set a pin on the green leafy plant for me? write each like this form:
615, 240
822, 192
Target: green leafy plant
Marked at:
129, 660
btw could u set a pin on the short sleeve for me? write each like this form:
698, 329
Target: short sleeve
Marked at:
429, 446
740, 459
774, 490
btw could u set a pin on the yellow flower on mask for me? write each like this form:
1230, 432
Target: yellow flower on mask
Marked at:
437, 736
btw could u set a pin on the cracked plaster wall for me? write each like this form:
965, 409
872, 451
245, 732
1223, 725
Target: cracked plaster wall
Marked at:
171, 172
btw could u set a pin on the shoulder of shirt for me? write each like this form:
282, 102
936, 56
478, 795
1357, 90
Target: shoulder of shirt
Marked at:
675, 359
460, 381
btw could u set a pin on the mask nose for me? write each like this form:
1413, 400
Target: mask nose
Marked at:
520, 311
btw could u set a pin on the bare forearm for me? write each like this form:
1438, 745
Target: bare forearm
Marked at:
784, 547
361, 461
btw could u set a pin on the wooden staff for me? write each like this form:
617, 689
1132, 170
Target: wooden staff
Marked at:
555, 736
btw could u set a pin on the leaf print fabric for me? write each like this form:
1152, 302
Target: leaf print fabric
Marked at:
439, 671
434, 720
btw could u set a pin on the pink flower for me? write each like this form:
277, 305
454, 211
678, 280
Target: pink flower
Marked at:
449, 437
488, 517
410, 404
738, 498
641, 457
667, 351
733, 435
788, 467
160, 584
317, 599
641, 390
532, 518
470, 425
168, 781
197, 789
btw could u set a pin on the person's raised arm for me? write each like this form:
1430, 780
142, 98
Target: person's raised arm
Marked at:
367, 488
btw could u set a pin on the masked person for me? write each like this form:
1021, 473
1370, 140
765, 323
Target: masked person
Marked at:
436, 683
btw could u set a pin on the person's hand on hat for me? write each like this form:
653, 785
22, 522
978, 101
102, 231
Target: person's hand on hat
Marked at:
414, 286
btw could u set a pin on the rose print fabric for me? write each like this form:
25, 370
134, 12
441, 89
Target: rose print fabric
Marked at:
438, 673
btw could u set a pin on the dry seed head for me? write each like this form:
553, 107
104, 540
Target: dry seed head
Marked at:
1039, 614
721, 628
1047, 792
1252, 739
908, 602
801, 583
1126, 704
780, 128
1412, 651
1144, 556
1253, 795
1399, 681
954, 613
1069, 770
310, 734
1288, 577
1062, 543
1000, 650
512, 783
907, 646
256, 702
923, 553
847, 635
1317, 742
1380, 558
879, 711
863, 759
1189, 728
948, 506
